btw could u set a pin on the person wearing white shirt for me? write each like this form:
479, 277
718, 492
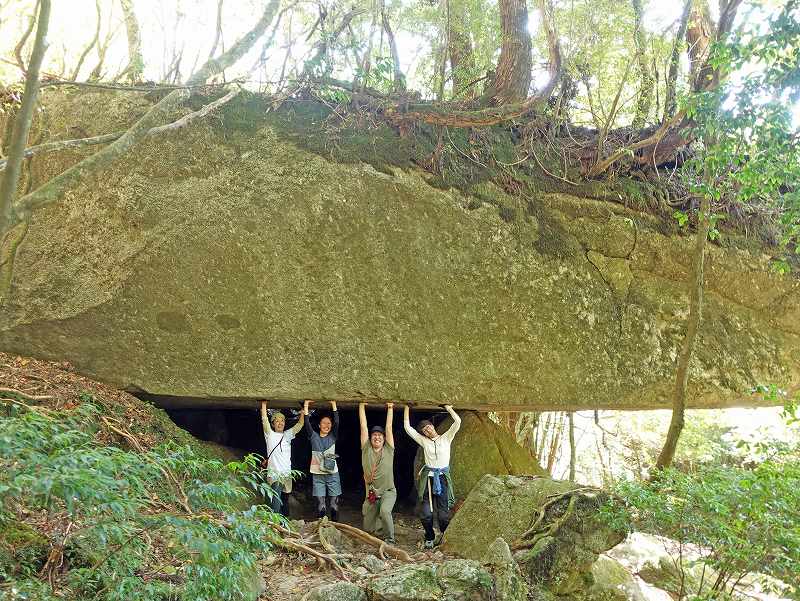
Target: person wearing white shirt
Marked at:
434, 485
279, 457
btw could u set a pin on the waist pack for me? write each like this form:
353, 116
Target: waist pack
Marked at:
328, 463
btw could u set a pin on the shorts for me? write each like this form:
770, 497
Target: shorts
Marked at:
326, 485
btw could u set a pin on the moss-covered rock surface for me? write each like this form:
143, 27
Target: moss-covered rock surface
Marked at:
256, 255
553, 527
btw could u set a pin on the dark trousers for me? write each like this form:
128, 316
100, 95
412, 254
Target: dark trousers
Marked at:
440, 509
279, 503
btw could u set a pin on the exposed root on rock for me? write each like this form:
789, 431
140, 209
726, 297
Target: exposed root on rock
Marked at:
538, 531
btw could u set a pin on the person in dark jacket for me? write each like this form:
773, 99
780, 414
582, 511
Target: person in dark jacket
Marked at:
324, 469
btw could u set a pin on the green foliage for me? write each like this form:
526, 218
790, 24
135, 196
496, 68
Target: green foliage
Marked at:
733, 520
380, 75
115, 508
748, 149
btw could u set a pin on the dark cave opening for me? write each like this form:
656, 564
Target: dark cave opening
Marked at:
240, 431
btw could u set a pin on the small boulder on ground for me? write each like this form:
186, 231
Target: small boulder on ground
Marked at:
454, 580
338, 591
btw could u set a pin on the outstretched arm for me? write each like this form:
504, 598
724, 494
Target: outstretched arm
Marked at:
389, 422
265, 418
416, 436
309, 429
299, 425
335, 429
362, 420
451, 431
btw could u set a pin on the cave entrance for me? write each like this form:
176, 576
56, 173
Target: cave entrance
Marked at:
240, 431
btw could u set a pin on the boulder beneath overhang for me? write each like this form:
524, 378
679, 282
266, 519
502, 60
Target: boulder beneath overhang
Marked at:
223, 264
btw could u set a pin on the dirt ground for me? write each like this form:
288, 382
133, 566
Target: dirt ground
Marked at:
290, 576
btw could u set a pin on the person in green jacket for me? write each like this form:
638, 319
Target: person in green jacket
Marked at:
377, 461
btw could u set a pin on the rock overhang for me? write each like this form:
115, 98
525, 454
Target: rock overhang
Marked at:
247, 267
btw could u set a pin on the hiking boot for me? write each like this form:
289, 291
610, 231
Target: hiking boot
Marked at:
321, 514
428, 544
334, 515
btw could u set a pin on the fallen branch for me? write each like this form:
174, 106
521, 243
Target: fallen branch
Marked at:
367, 538
601, 166
316, 554
294, 545
19, 393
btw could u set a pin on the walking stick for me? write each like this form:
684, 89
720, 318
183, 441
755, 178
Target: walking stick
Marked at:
430, 495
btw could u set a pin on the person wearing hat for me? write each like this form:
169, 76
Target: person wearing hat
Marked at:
377, 461
279, 457
434, 485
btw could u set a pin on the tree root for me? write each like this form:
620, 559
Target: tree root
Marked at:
323, 559
18, 393
537, 532
367, 538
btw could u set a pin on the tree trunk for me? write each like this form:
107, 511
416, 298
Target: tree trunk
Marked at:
462, 58
692, 325
22, 123
135, 67
670, 105
11, 237
513, 73
572, 450
24, 39
399, 78
645, 99
699, 37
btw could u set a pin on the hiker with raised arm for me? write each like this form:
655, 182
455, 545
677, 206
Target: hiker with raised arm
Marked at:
434, 485
377, 461
279, 457
324, 470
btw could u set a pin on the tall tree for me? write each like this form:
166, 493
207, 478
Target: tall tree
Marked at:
513, 72
399, 78
674, 63
572, 448
22, 124
135, 67
748, 149
459, 48
645, 99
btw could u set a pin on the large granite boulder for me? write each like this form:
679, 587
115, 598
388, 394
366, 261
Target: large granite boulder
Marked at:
553, 527
224, 261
